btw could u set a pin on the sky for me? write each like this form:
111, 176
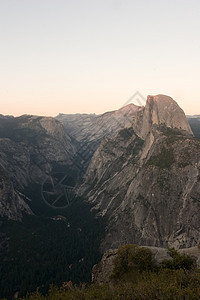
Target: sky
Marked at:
91, 56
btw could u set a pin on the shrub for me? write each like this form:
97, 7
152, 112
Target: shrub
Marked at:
178, 261
165, 284
132, 258
162, 160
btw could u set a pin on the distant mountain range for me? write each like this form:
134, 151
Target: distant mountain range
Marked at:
84, 183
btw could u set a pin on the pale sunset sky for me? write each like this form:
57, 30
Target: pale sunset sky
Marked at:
91, 56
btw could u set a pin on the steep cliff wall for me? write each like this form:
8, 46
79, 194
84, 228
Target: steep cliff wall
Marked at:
146, 181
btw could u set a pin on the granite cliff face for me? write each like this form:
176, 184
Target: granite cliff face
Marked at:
12, 204
144, 176
30, 149
160, 110
89, 129
33, 147
146, 181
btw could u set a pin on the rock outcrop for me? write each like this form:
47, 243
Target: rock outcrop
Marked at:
146, 181
102, 272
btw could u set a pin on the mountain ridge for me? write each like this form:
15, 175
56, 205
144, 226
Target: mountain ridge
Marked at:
31, 148
160, 170
141, 185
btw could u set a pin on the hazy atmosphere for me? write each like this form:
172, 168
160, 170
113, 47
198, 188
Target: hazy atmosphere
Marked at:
92, 56
99, 198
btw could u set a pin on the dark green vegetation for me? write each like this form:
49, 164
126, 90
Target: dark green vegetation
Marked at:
42, 251
163, 160
178, 261
131, 258
141, 280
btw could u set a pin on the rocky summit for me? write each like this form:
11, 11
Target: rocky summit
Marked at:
74, 186
160, 110
146, 181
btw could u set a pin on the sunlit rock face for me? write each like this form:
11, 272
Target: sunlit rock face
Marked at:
160, 110
89, 129
146, 181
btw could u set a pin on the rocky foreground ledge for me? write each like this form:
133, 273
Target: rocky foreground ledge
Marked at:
102, 271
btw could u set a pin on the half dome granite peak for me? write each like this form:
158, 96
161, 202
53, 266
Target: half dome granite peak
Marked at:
160, 110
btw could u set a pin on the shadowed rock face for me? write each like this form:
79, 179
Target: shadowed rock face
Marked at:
194, 122
30, 148
12, 204
146, 181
